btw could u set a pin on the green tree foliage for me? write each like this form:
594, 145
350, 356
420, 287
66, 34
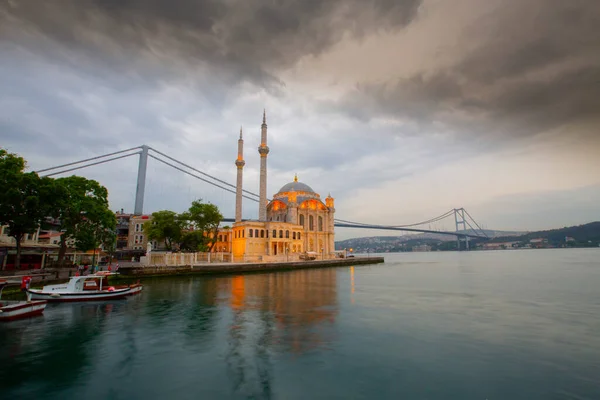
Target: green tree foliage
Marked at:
165, 226
78, 201
95, 231
24, 198
194, 241
204, 217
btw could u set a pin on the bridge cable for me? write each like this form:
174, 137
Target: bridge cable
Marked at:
88, 159
198, 177
476, 224
200, 172
401, 226
89, 165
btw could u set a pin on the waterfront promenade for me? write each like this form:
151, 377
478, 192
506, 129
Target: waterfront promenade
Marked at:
137, 269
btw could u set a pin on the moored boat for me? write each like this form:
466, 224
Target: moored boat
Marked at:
15, 309
85, 288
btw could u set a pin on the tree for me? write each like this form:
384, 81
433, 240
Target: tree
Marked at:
24, 198
194, 241
165, 226
205, 218
77, 200
97, 230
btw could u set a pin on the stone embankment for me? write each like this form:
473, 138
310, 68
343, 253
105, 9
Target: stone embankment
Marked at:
234, 268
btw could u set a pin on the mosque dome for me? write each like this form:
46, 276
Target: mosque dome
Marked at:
296, 187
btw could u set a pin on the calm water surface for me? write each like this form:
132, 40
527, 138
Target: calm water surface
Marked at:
479, 325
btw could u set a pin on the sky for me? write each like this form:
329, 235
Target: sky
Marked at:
401, 109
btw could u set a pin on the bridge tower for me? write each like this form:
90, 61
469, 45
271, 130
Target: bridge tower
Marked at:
141, 182
461, 224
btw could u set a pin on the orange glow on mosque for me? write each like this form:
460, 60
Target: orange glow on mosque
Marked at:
295, 224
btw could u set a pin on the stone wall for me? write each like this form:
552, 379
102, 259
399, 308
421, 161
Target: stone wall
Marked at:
229, 268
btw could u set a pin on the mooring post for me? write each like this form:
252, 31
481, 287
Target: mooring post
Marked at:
141, 182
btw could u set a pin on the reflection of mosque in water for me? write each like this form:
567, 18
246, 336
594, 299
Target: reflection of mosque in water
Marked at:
298, 301
280, 312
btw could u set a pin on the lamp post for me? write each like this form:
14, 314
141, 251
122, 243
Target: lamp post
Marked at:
322, 253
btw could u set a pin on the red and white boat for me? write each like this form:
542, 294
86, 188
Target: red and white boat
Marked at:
85, 288
15, 309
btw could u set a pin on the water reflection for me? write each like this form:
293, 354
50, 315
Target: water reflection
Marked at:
245, 321
288, 312
299, 303
40, 357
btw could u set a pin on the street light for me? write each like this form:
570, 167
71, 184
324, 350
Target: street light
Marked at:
322, 253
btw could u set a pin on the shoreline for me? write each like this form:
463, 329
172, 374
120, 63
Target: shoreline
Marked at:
235, 268
139, 271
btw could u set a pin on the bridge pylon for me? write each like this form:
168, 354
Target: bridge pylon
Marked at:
461, 222
141, 182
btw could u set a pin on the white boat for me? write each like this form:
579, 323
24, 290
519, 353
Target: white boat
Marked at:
15, 309
85, 288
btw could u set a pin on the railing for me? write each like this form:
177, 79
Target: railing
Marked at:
195, 259
177, 259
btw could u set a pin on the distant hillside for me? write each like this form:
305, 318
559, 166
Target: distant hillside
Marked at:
575, 236
494, 234
579, 234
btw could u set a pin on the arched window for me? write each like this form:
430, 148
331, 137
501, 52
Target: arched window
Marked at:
274, 233
294, 235
299, 236
250, 233
287, 234
262, 233
311, 223
281, 234
285, 218
278, 218
320, 224
302, 220
256, 233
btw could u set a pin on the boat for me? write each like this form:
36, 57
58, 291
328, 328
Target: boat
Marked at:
92, 287
15, 309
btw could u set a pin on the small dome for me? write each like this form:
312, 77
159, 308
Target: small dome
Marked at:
296, 187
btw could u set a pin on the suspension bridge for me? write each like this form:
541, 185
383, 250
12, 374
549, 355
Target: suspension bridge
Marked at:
466, 227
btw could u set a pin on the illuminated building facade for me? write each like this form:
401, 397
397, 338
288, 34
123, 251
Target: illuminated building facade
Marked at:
295, 223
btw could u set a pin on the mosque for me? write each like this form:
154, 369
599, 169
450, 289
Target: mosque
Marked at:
295, 224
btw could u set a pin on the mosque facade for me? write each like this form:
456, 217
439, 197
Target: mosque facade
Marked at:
296, 223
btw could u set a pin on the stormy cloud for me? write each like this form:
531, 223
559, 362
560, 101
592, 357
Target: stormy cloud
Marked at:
395, 103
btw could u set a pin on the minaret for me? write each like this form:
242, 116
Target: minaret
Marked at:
263, 150
239, 162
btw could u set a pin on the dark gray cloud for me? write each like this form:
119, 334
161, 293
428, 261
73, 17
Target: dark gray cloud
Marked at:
535, 66
234, 40
86, 77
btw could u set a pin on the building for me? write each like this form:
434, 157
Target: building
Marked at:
33, 253
122, 230
294, 223
137, 239
500, 246
421, 248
